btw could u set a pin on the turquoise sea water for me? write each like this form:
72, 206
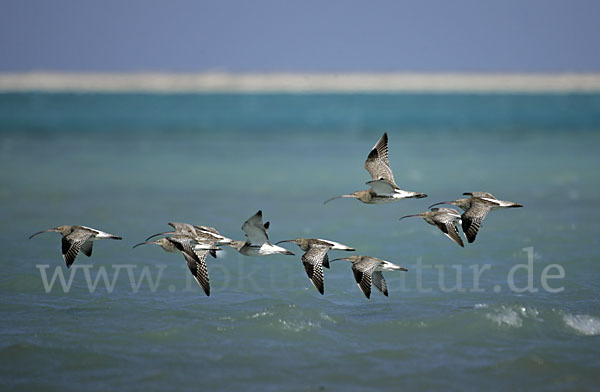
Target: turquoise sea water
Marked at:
130, 163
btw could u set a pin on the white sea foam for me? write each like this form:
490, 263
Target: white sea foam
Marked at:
327, 317
261, 314
506, 316
583, 323
512, 316
299, 82
299, 326
530, 313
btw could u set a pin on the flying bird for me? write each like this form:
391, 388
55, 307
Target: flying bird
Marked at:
195, 258
205, 232
257, 242
368, 270
383, 186
444, 219
475, 210
205, 236
75, 238
315, 257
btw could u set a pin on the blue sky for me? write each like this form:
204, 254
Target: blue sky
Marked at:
300, 36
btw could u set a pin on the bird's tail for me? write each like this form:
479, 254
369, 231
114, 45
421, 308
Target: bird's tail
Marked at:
418, 195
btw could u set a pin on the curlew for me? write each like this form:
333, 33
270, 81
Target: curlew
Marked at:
383, 186
75, 238
205, 236
475, 210
195, 231
368, 270
195, 258
444, 219
315, 257
257, 243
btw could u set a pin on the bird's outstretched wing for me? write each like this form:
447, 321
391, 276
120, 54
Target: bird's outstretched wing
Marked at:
445, 222
379, 282
86, 247
208, 229
255, 229
183, 228
72, 243
326, 261
196, 263
451, 232
377, 163
183, 243
313, 264
483, 195
472, 218
363, 272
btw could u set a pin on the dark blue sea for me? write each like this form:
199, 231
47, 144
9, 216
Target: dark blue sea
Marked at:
517, 309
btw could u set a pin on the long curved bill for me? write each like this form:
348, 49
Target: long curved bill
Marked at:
336, 197
277, 243
442, 202
40, 232
341, 258
144, 243
409, 216
156, 235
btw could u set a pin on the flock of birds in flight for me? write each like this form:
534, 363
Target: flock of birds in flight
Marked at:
196, 242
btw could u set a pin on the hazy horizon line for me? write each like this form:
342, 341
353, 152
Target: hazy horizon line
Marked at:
300, 82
